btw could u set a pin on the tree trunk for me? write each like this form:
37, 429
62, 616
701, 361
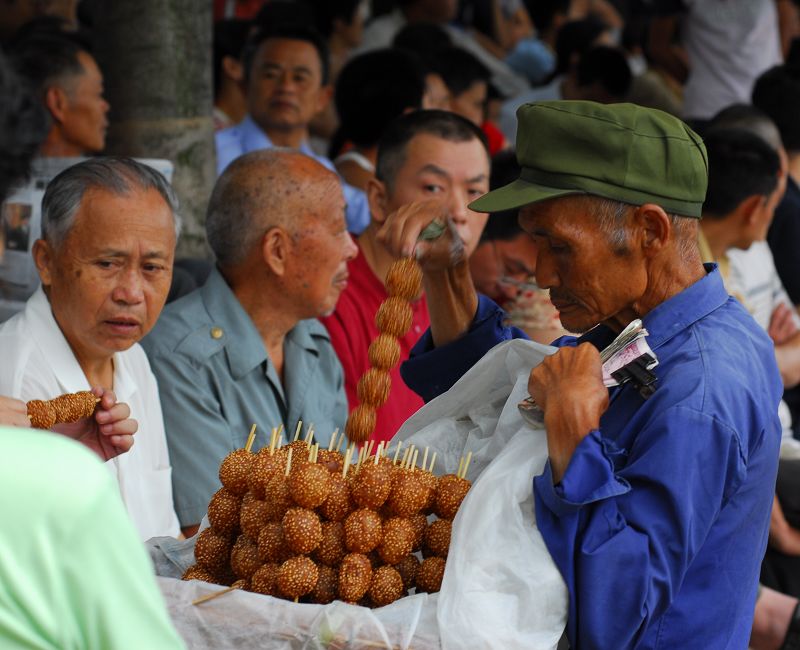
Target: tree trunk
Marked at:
156, 60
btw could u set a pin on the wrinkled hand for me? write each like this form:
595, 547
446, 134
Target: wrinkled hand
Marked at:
13, 413
781, 325
401, 230
109, 432
568, 387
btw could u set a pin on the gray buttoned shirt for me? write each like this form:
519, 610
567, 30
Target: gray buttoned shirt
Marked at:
216, 379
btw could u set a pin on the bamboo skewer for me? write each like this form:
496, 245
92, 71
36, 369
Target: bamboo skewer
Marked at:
297, 430
333, 439
212, 596
250, 438
433, 460
424, 459
289, 462
463, 473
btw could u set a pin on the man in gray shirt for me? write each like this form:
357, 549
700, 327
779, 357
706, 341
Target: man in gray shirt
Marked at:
246, 347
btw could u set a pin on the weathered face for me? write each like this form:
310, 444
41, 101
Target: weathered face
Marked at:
317, 274
285, 89
589, 282
109, 280
457, 172
84, 122
500, 267
471, 104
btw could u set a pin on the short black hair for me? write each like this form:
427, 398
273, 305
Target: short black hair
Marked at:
740, 165
23, 128
373, 89
606, 66
746, 117
425, 40
576, 37
47, 58
442, 124
328, 11
777, 93
230, 37
290, 31
459, 69
542, 12
503, 226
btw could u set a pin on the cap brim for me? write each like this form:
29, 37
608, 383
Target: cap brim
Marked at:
516, 194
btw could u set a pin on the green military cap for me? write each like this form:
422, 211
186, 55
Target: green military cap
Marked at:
622, 152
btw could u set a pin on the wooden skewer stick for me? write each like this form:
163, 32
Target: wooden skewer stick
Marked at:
424, 459
414, 462
297, 430
378, 453
347, 457
333, 439
250, 438
212, 596
369, 448
466, 465
405, 457
279, 436
411, 451
397, 453
460, 467
289, 462
310, 434
433, 460
316, 452
341, 440
273, 440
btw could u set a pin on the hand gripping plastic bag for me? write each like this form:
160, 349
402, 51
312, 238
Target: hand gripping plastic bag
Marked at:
501, 588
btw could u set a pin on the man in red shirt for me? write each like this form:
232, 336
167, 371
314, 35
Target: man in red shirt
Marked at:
427, 160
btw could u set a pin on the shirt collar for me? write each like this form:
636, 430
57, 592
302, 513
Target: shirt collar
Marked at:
56, 349
255, 139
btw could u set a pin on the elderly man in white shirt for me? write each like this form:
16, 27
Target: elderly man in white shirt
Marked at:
109, 228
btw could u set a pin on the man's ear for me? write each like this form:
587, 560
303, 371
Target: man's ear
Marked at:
654, 227
233, 68
276, 247
324, 97
43, 257
56, 102
377, 198
752, 209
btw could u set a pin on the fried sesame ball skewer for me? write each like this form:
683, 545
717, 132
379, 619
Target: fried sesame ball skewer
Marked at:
69, 407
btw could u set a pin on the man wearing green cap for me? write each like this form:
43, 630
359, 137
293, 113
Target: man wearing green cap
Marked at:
656, 510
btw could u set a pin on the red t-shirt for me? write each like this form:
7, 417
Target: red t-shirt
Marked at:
352, 328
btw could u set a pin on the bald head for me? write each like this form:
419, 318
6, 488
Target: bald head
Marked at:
259, 191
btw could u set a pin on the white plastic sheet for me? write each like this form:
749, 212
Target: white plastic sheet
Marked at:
500, 588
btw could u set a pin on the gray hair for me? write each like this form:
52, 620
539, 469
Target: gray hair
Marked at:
612, 217
117, 175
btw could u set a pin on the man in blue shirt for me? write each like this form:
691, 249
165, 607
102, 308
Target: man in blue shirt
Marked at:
286, 72
655, 510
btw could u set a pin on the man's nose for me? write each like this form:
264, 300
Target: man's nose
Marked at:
130, 288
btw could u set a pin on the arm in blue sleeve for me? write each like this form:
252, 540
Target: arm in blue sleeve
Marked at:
628, 536
431, 371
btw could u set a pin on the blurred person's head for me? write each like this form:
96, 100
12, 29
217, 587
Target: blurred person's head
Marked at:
467, 81
373, 89
341, 21
276, 223
576, 37
230, 37
109, 228
548, 16
506, 24
602, 75
506, 255
777, 93
743, 173
432, 154
429, 11
286, 72
70, 85
426, 40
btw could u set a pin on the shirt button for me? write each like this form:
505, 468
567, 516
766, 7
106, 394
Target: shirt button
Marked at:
216, 332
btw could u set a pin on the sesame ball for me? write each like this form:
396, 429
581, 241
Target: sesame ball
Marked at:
398, 540
263, 466
449, 494
430, 481
72, 407
361, 423
223, 512
244, 557
331, 460
355, 575
437, 538
331, 549
371, 485
234, 470
338, 504
430, 574
302, 530
309, 486
384, 352
419, 523
277, 497
265, 580
386, 586
394, 317
408, 493
374, 386
196, 572
212, 551
404, 279
252, 516
271, 543
325, 590
407, 568
297, 577
363, 530
41, 414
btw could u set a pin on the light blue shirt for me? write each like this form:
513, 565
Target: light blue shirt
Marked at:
216, 379
247, 136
